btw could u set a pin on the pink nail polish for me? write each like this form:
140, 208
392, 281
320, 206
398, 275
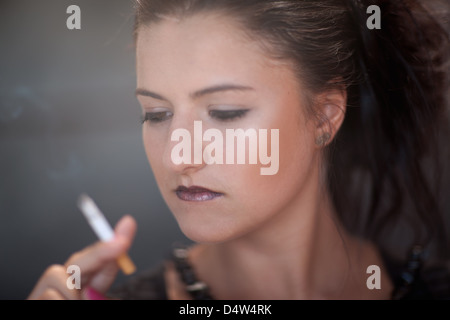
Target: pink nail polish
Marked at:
93, 294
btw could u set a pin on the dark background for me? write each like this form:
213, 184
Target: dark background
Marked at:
69, 123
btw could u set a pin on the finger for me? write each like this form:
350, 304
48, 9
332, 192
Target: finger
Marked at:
51, 294
54, 278
103, 280
92, 294
97, 262
126, 228
93, 258
106, 251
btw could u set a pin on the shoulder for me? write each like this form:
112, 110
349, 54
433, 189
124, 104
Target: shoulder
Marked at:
416, 278
147, 285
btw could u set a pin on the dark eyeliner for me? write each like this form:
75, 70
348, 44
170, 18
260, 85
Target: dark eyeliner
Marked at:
227, 115
155, 117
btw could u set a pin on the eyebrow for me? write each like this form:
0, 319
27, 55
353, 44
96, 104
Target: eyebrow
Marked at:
199, 93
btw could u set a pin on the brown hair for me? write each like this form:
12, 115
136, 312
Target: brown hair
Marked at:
395, 96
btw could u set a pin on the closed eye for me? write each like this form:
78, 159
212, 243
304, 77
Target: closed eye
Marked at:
227, 115
156, 117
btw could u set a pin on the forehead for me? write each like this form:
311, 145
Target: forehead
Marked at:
201, 48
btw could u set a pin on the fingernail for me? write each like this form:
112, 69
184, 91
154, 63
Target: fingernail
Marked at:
93, 294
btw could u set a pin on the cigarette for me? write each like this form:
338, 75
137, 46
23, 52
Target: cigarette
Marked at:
103, 230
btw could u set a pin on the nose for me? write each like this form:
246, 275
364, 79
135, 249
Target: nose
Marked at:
184, 151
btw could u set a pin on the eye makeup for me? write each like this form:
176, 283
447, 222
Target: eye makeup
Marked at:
220, 115
228, 115
155, 117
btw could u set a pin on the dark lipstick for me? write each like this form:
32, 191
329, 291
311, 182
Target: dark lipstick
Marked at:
195, 193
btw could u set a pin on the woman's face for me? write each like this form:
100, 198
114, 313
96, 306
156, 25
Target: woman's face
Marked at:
203, 68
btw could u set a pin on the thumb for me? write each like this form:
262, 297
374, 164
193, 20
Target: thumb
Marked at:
126, 228
125, 231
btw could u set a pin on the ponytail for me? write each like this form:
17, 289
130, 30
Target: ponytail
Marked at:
389, 138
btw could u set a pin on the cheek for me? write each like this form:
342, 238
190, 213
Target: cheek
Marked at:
148, 146
265, 195
154, 146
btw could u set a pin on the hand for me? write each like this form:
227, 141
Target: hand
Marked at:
97, 265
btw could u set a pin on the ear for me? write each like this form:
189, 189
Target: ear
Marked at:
330, 107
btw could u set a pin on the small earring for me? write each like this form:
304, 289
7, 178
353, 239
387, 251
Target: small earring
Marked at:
323, 139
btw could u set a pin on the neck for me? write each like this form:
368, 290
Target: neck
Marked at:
302, 253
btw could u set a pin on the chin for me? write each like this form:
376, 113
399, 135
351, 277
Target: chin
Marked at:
203, 233
203, 236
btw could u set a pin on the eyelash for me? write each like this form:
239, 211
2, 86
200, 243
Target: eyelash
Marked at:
221, 115
227, 115
155, 117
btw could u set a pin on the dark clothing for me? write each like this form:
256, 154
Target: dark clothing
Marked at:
410, 279
148, 285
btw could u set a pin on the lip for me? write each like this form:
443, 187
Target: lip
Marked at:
196, 193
